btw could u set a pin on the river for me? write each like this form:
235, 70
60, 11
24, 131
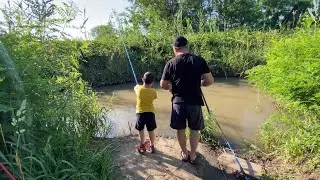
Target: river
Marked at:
239, 109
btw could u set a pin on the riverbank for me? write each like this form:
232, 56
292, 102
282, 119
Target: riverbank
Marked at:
166, 162
276, 167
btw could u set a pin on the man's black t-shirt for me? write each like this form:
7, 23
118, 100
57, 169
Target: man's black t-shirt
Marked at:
185, 72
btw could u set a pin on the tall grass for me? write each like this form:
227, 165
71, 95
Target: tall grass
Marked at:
49, 135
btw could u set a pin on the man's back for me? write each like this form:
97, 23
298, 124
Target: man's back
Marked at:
185, 72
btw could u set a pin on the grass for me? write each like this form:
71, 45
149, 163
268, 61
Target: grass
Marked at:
210, 132
59, 155
25, 161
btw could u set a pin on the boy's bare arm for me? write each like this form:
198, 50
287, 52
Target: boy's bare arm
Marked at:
156, 95
136, 88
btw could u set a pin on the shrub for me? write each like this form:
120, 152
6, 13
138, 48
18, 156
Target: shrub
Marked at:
292, 77
228, 53
47, 133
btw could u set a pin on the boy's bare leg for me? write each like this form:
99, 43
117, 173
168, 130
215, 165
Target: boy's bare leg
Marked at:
181, 134
141, 134
194, 139
152, 137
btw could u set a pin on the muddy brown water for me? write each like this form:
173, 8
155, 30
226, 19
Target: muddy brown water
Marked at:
239, 109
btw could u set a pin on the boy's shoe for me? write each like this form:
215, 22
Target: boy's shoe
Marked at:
141, 148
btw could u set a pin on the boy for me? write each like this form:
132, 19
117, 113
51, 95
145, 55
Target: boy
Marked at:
145, 110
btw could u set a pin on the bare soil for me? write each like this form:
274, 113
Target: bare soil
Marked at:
166, 162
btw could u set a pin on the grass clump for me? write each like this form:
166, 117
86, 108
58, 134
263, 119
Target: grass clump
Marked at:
210, 133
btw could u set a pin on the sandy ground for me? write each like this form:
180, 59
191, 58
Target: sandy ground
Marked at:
166, 162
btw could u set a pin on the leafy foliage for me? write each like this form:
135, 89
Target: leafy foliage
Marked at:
49, 115
292, 76
228, 53
229, 14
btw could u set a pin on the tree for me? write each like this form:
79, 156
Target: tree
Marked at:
40, 18
146, 12
279, 13
103, 31
238, 13
228, 14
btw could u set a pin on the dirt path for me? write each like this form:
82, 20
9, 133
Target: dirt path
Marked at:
166, 162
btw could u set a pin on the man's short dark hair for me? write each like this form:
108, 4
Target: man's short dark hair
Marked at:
180, 42
148, 78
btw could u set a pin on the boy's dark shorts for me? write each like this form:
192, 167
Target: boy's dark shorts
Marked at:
181, 113
148, 119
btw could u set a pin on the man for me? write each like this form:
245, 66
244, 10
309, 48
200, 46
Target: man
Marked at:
184, 75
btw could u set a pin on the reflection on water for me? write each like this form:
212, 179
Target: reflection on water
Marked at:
239, 108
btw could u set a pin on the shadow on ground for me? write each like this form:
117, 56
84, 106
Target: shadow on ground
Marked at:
166, 162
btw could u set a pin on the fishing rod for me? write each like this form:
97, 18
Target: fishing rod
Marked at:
224, 138
125, 48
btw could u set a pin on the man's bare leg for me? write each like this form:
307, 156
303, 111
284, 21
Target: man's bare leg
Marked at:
194, 139
181, 134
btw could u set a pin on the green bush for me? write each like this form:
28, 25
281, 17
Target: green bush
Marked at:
292, 77
228, 53
47, 132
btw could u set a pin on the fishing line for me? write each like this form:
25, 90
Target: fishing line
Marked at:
128, 56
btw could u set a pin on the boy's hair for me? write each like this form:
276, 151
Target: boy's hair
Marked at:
148, 78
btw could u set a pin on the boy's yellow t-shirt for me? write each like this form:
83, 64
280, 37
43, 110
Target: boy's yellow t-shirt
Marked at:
145, 97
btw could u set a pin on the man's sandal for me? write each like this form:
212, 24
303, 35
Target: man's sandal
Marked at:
184, 157
193, 161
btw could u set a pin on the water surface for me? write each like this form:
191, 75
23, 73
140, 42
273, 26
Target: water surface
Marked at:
239, 108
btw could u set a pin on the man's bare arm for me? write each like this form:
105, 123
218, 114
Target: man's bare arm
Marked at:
207, 79
165, 84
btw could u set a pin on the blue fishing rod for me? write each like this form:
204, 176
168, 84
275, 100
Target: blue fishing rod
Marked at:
224, 138
125, 48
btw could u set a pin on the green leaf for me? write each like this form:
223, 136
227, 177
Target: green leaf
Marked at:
4, 108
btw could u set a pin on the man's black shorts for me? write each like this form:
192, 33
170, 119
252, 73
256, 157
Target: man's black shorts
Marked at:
181, 113
148, 119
